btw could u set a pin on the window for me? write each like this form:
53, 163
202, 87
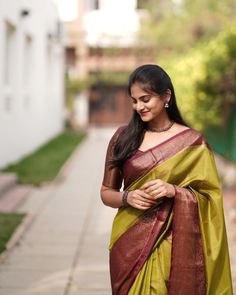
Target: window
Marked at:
96, 4
9, 64
93, 5
49, 69
27, 69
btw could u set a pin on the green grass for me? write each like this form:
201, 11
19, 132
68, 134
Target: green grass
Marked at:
44, 164
8, 224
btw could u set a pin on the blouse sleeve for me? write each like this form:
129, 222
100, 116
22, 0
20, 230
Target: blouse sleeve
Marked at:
112, 176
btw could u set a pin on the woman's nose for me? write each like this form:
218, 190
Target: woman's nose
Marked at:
140, 106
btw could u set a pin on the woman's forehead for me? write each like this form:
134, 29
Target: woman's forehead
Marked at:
139, 89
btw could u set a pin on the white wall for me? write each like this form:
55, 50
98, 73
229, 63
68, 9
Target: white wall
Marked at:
32, 98
115, 23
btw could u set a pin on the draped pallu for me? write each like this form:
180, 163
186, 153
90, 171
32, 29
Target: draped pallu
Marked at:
179, 246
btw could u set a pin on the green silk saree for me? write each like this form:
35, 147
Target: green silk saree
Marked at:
180, 245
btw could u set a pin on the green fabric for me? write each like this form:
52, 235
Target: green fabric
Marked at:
153, 278
193, 167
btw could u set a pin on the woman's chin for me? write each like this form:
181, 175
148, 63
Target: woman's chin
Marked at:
145, 118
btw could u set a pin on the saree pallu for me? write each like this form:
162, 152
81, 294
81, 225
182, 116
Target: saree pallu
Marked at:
180, 245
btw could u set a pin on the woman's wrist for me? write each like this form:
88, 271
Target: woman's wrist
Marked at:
175, 190
125, 198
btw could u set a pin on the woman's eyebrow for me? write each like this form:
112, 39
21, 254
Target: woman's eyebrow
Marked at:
141, 97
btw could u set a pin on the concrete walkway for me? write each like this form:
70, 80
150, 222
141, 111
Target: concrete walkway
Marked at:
64, 252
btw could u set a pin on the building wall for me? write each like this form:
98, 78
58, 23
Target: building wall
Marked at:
31, 77
103, 24
111, 22
103, 39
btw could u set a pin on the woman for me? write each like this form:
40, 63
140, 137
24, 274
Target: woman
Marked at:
168, 236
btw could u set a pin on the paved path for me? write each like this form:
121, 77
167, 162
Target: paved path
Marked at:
64, 252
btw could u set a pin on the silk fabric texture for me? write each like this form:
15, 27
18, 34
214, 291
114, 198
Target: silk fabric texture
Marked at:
180, 245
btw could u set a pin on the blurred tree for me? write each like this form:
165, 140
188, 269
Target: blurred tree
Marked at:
218, 82
174, 26
195, 41
205, 80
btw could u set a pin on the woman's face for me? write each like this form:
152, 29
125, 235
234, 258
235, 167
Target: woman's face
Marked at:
148, 106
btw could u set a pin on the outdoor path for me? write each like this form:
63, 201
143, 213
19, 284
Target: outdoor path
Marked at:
65, 250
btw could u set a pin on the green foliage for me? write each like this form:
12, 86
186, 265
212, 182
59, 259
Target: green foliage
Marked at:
205, 80
45, 163
185, 71
74, 87
8, 224
174, 26
219, 80
110, 78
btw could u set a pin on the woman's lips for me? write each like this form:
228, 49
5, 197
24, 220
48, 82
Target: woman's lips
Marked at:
144, 113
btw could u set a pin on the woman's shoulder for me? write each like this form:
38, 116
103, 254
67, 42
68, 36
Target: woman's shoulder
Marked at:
117, 133
119, 130
181, 128
196, 135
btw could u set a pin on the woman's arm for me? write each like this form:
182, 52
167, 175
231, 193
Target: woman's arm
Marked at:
112, 182
111, 197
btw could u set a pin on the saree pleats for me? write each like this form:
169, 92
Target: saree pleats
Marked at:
153, 277
181, 247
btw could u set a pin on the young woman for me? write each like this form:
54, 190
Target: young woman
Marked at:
168, 236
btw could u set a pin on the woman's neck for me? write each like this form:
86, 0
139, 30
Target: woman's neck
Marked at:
160, 122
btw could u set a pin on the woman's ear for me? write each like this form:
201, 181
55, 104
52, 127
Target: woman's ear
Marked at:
168, 95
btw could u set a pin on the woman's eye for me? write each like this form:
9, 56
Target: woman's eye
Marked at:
146, 99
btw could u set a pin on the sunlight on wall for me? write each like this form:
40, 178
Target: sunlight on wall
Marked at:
68, 9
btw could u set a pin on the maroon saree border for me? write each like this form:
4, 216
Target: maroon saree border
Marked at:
143, 161
165, 141
131, 250
187, 273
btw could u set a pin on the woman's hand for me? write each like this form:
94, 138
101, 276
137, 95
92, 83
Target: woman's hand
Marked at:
140, 200
158, 188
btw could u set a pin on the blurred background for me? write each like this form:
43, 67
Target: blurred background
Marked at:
66, 63
64, 66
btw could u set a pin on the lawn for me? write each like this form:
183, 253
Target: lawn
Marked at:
41, 166
44, 164
8, 224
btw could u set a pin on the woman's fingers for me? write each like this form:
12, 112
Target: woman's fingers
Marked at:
146, 197
161, 189
152, 185
148, 184
143, 205
140, 200
144, 194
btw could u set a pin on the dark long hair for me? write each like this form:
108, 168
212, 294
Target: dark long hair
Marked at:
152, 79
